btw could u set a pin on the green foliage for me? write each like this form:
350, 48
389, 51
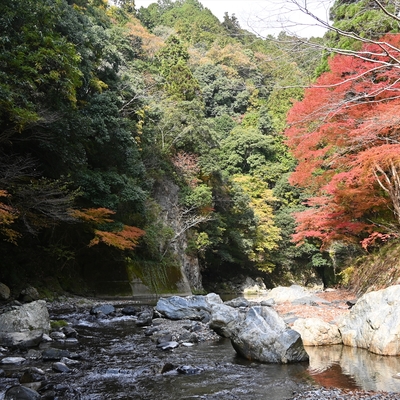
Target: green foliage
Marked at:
95, 109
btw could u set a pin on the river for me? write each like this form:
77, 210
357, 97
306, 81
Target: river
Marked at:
117, 361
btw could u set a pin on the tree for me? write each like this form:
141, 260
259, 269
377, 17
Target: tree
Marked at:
345, 137
179, 81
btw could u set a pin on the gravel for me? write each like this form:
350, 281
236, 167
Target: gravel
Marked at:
338, 394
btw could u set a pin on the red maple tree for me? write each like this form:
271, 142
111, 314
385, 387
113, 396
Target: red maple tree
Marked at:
345, 134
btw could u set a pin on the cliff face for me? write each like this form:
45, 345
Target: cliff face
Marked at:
166, 194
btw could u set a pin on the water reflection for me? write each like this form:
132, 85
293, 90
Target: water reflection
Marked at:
349, 367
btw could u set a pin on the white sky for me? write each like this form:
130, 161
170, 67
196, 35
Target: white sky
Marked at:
268, 16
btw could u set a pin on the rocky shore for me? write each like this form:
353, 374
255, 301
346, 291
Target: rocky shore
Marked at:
164, 343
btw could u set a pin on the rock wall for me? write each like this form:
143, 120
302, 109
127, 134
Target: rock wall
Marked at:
166, 194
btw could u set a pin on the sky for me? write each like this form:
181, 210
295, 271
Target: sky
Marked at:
268, 16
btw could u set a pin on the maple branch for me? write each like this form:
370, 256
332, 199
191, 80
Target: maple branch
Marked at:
392, 187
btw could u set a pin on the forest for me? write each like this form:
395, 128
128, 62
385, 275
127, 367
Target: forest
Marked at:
284, 151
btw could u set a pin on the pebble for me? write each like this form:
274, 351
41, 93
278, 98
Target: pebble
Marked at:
168, 345
60, 367
339, 394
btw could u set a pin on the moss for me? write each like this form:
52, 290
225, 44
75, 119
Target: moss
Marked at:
159, 277
57, 324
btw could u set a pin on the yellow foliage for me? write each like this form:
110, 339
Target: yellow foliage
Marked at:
98, 84
346, 276
267, 233
232, 56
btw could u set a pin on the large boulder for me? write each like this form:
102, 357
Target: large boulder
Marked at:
190, 307
4, 292
25, 325
224, 319
259, 335
282, 294
316, 332
29, 294
21, 393
374, 322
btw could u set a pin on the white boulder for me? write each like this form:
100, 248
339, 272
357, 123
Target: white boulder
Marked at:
316, 332
374, 322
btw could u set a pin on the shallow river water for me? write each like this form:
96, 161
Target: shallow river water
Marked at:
117, 361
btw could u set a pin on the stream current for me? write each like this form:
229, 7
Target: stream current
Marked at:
117, 361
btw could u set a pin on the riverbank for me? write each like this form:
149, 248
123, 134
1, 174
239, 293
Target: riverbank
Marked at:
339, 394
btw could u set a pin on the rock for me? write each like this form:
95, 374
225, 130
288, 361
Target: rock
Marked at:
57, 335
21, 339
105, 309
281, 294
60, 367
144, 318
26, 317
32, 375
4, 292
310, 301
262, 336
374, 322
13, 360
33, 386
190, 307
69, 332
151, 330
268, 302
168, 345
188, 370
21, 393
252, 286
54, 354
69, 362
164, 338
46, 338
29, 294
129, 310
237, 303
316, 332
167, 367
224, 319
34, 354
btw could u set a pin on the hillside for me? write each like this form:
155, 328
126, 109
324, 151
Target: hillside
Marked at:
152, 147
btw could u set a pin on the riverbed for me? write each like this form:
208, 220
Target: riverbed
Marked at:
114, 359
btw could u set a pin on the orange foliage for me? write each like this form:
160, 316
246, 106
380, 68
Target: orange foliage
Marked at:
94, 215
126, 239
7, 217
151, 44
